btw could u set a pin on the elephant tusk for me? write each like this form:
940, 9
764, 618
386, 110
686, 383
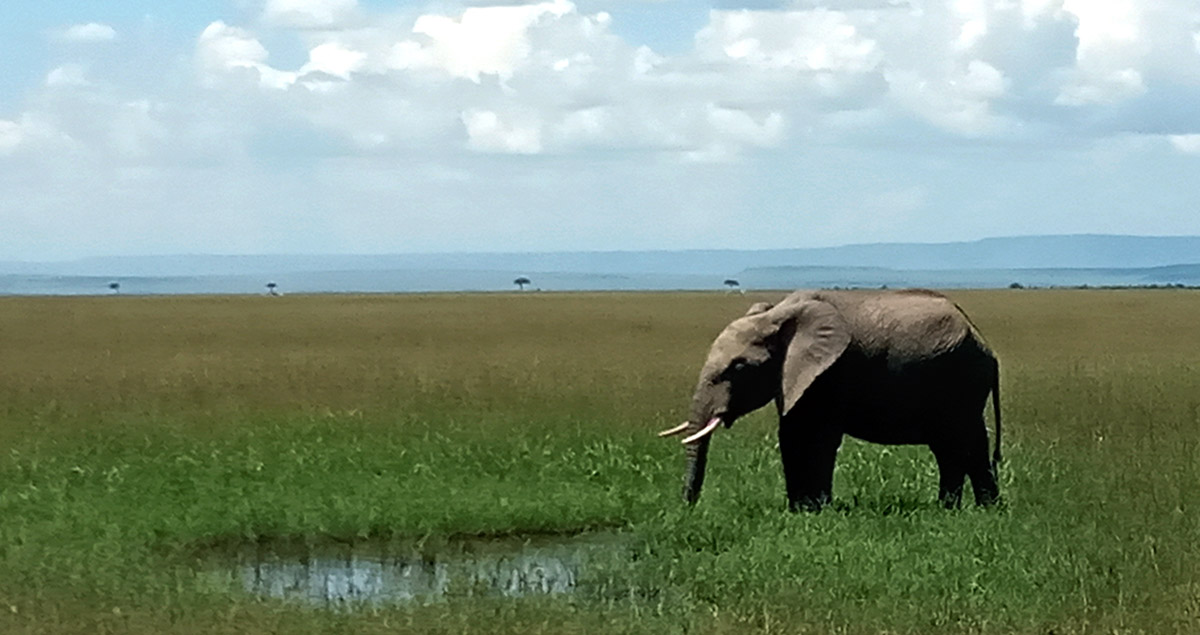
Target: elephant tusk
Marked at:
676, 430
705, 431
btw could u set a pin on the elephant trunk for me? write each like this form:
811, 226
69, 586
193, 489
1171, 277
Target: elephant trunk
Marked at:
697, 460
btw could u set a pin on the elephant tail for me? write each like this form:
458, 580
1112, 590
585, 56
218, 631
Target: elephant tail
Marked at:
996, 413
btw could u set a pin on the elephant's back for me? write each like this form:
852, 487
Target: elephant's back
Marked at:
910, 324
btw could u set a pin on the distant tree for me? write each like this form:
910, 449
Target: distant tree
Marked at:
1016, 285
731, 283
115, 286
521, 282
271, 288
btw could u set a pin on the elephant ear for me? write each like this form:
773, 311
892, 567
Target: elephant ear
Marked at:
815, 335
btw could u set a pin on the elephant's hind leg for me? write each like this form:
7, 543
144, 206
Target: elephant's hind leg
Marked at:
951, 472
979, 467
961, 453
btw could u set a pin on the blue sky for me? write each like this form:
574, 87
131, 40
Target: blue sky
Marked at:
364, 126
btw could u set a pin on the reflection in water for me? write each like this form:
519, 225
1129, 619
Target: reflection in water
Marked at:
372, 575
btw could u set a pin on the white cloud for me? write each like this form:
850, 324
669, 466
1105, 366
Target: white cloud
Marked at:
10, 136
741, 127
135, 130
959, 101
90, 32
67, 75
309, 14
815, 40
984, 80
30, 132
223, 48
334, 59
1113, 44
1186, 143
588, 126
1035, 10
483, 40
1102, 88
550, 78
487, 132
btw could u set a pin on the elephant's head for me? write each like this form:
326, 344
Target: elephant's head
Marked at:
773, 352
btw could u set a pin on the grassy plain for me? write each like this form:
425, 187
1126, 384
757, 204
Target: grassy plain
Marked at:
136, 431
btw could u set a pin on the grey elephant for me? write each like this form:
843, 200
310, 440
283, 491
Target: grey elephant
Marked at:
898, 367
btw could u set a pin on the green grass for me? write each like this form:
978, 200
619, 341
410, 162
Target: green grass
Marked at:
136, 432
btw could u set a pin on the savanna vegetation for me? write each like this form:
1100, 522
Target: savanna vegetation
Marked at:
138, 432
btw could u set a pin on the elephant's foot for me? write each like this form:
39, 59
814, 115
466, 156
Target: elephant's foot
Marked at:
951, 499
987, 490
987, 498
811, 503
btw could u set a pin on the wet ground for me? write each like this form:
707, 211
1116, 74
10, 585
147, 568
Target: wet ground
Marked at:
375, 573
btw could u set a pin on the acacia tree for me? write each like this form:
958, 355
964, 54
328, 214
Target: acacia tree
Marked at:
521, 282
271, 288
115, 286
731, 283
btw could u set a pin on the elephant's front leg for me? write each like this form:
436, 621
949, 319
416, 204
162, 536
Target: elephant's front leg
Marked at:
808, 452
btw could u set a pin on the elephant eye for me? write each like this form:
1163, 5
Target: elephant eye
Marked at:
738, 365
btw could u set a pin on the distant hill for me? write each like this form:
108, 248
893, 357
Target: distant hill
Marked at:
1086, 251
819, 277
1022, 252
994, 262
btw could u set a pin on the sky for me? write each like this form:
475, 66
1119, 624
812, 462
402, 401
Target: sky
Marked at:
138, 127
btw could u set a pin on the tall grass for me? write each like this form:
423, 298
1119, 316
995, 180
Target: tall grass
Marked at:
137, 432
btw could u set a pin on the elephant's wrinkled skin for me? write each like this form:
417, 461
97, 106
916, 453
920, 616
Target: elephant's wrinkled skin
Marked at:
899, 367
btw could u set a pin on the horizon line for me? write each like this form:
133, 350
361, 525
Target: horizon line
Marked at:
586, 251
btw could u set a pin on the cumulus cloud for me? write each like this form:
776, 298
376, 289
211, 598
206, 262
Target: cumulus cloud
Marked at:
223, 48
489, 133
10, 136
67, 75
549, 77
334, 59
1186, 143
30, 132
810, 40
456, 88
492, 40
309, 14
90, 32
1102, 87
1124, 45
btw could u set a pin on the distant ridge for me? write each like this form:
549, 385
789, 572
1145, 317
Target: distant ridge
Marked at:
1043, 252
1081, 251
815, 277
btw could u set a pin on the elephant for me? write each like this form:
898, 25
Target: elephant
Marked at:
904, 367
